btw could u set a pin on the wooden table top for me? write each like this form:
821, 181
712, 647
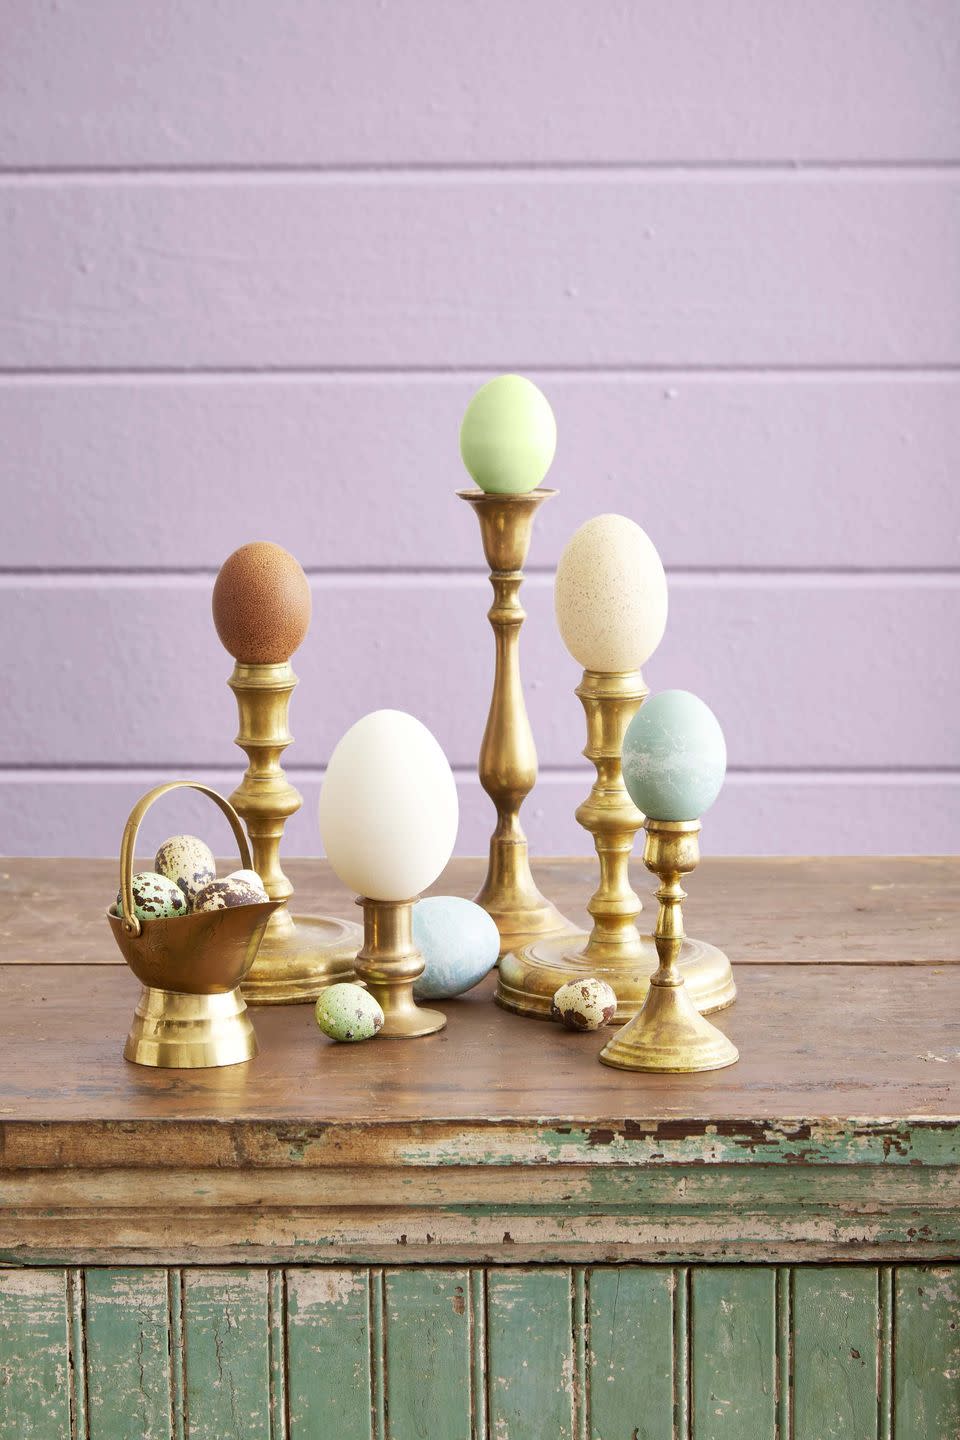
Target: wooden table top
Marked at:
846, 1021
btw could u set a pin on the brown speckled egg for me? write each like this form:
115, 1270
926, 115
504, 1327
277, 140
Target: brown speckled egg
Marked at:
261, 604
225, 894
584, 1004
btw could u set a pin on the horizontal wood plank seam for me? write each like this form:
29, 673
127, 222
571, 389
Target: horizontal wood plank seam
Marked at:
814, 168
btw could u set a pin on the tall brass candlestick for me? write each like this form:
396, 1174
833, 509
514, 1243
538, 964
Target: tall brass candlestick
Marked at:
508, 756
611, 603
261, 607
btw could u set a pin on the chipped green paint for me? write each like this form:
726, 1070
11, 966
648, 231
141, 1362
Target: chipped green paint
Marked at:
927, 1370
128, 1354
734, 1347
838, 1352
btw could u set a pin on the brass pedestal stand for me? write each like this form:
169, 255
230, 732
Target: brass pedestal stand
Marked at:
388, 964
508, 756
614, 950
669, 1034
299, 955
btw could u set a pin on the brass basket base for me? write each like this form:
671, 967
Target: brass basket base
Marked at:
299, 956
670, 1036
530, 976
175, 1031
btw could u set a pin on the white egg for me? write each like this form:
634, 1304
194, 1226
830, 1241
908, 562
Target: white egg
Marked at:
610, 595
388, 807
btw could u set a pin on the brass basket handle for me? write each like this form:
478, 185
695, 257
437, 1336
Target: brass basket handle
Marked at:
129, 920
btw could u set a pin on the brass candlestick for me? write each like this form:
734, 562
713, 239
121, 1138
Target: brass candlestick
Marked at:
299, 955
669, 1034
508, 756
615, 950
388, 963
261, 609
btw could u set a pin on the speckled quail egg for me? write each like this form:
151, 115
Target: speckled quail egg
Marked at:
251, 878
155, 897
348, 1012
225, 894
188, 862
584, 1004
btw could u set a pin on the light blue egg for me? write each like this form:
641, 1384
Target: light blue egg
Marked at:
674, 757
459, 943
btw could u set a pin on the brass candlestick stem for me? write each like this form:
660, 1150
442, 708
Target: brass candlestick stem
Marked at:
669, 1034
299, 955
388, 963
615, 950
508, 756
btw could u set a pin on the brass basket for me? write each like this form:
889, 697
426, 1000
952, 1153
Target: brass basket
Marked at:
191, 1014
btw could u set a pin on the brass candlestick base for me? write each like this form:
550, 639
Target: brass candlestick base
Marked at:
190, 1032
299, 955
508, 756
669, 1034
388, 963
614, 950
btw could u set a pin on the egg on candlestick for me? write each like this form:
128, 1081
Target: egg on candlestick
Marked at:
508, 437
261, 610
261, 604
674, 757
610, 595
674, 761
388, 819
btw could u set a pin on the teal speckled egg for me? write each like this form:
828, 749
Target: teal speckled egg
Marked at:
674, 757
459, 943
155, 897
509, 436
348, 1012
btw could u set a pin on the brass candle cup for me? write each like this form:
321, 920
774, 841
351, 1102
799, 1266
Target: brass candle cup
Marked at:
669, 1034
388, 963
615, 950
508, 757
300, 954
191, 1014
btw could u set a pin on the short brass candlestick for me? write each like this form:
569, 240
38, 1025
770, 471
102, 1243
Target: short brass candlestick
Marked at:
669, 1034
388, 963
508, 756
615, 950
299, 955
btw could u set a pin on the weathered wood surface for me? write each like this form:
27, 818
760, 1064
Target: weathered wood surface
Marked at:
853, 1352
867, 910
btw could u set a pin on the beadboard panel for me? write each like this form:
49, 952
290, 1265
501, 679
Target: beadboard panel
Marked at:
442, 270
427, 82
358, 471
137, 666
912, 813
515, 1353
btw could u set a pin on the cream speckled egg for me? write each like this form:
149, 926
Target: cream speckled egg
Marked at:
155, 897
225, 894
610, 595
188, 862
348, 1012
584, 1004
251, 878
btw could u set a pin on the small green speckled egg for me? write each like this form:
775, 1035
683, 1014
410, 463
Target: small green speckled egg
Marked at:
509, 436
674, 757
584, 1004
348, 1012
188, 862
155, 897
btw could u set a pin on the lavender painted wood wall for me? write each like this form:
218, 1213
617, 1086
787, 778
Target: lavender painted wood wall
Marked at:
255, 259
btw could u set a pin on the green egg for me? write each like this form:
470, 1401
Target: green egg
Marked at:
155, 897
508, 436
348, 1012
674, 757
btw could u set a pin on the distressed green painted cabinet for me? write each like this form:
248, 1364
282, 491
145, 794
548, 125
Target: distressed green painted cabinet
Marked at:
487, 1235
